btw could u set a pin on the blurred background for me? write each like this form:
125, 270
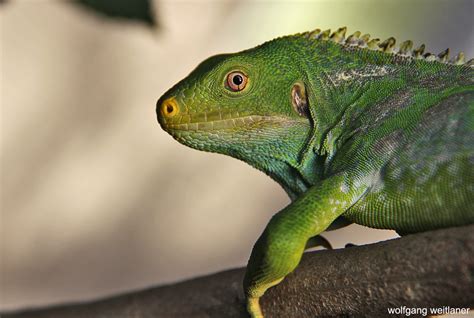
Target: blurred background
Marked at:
95, 198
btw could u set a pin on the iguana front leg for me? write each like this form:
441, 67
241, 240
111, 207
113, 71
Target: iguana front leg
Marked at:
279, 249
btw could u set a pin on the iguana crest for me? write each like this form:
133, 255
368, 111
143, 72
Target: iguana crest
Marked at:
405, 49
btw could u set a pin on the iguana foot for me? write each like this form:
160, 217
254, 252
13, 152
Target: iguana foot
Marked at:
253, 307
253, 302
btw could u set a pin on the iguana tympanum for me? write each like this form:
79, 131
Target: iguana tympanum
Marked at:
354, 130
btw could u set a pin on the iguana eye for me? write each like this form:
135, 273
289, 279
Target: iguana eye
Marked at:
236, 81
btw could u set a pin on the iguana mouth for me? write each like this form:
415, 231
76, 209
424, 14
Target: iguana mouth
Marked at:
223, 124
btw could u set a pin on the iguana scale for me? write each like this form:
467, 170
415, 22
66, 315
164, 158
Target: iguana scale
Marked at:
353, 129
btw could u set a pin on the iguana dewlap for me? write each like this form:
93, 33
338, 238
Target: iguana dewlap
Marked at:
351, 128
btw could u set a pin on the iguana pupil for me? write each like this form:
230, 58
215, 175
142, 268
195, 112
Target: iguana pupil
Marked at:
237, 80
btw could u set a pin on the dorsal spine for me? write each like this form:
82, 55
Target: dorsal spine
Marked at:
405, 49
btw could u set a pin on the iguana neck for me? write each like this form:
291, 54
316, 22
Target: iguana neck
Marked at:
280, 158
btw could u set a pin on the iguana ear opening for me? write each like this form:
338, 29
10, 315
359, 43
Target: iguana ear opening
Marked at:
299, 99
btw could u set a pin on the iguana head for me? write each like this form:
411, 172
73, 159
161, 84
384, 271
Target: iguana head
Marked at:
250, 105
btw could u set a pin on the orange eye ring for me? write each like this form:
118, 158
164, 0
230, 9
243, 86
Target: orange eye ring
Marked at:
236, 81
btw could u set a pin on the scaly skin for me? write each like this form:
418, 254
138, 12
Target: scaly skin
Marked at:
352, 130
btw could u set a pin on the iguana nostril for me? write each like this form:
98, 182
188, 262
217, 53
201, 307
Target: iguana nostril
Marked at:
169, 107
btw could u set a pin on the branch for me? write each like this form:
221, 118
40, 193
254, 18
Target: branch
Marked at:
430, 269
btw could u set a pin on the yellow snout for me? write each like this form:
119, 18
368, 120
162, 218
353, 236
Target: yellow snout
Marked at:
169, 107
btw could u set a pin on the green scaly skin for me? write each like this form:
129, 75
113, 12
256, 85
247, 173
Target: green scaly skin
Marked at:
386, 138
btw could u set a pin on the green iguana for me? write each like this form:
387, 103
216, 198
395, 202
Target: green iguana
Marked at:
354, 130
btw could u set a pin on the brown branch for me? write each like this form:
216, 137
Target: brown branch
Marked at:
431, 269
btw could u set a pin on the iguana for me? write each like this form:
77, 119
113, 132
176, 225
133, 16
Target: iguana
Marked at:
354, 130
